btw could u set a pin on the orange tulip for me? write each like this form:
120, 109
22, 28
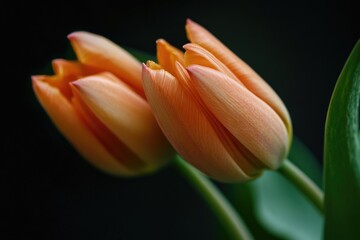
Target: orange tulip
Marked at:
98, 104
217, 112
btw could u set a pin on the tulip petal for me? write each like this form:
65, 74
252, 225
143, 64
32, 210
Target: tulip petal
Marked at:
110, 142
101, 53
199, 35
69, 71
195, 54
239, 153
126, 115
187, 128
167, 55
65, 72
67, 121
249, 119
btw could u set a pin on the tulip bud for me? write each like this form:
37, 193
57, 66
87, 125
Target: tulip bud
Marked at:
216, 111
98, 104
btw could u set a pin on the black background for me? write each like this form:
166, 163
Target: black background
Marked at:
49, 192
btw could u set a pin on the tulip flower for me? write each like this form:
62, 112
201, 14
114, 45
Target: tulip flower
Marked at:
216, 111
98, 104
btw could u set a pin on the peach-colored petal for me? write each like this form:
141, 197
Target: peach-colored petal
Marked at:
101, 53
239, 153
64, 72
199, 35
195, 54
167, 55
187, 128
108, 140
243, 114
68, 70
126, 115
66, 120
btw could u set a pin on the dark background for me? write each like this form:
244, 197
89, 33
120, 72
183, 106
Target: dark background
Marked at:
49, 192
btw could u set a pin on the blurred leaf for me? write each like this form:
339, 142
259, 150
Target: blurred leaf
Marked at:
274, 208
243, 197
342, 154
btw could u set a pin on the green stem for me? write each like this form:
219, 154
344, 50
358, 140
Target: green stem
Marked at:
303, 183
219, 204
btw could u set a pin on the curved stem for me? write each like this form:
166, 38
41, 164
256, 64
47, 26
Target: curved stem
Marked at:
303, 183
219, 204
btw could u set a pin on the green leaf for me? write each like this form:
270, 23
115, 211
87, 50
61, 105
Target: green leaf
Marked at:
273, 208
342, 154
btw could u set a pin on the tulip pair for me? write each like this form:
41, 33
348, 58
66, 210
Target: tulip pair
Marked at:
98, 104
217, 112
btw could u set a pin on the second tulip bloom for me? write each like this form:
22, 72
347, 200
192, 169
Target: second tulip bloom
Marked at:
98, 103
217, 112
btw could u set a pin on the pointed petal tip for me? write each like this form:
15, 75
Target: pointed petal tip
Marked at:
193, 47
75, 35
201, 73
57, 65
76, 87
75, 84
160, 41
146, 69
144, 66
81, 36
72, 36
58, 61
81, 83
162, 44
189, 21
40, 86
104, 76
187, 46
194, 68
35, 78
35, 81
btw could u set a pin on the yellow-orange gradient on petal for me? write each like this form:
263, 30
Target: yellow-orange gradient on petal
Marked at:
216, 111
98, 104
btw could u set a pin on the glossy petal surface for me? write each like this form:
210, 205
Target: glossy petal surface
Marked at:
67, 121
127, 115
243, 114
187, 128
244, 73
101, 53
